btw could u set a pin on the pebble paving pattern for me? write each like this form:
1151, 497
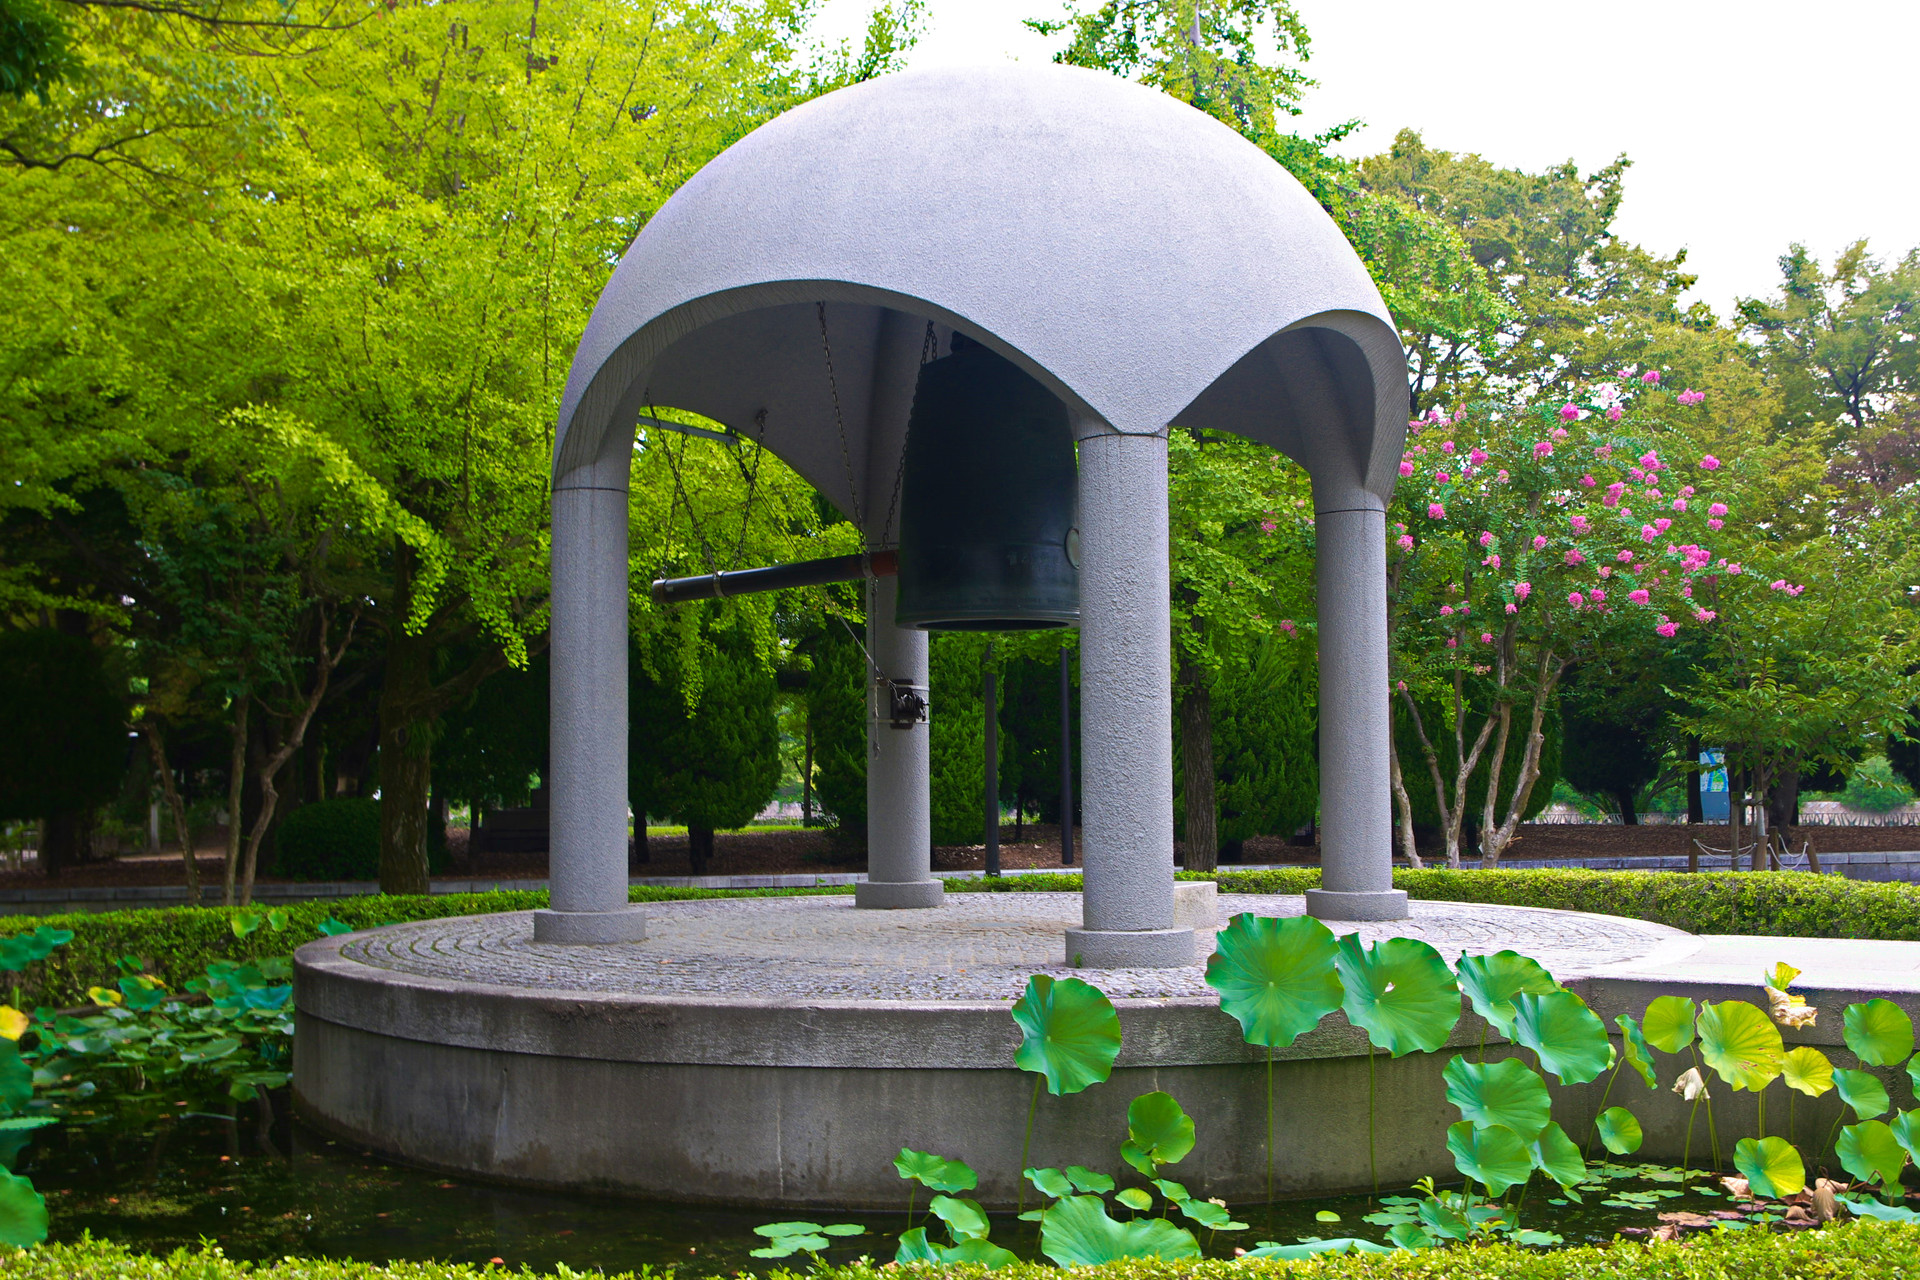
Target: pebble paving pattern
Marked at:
976, 947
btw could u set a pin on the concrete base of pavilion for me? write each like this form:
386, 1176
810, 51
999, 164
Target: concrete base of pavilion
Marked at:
781, 1051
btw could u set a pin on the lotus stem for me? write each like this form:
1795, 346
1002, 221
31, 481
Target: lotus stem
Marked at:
1761, 1102
1593, 1131
1686, 1151
1269, 1124
1373, 1169
1713, 1136
1026, 1144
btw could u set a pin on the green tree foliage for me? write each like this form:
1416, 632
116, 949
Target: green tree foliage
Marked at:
1265, 751
491, 749
1842, 344
837, 712
1571, 301
957, 731
63, 737
718, 756
1030, 720
35, 49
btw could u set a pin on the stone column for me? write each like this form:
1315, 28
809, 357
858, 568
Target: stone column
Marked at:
1356, 803
1126, 707
587, 840
899, 768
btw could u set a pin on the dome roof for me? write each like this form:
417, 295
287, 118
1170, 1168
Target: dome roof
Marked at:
1145, 262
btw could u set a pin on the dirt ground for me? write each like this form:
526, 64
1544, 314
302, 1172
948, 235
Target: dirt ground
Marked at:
801, 852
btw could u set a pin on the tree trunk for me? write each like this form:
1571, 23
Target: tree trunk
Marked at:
1196, 768
1629, 816
406, 766
699, 847
176, 808
64, 840
638, 854
236, 798
806, 789
1696, 809
1403, 805
1783, 800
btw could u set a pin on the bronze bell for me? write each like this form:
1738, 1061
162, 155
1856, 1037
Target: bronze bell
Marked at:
987, 537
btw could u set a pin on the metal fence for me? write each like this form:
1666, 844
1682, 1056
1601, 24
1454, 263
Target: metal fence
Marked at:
1813, 813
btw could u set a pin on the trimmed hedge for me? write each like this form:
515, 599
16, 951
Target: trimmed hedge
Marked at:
178, 942
1848, 1251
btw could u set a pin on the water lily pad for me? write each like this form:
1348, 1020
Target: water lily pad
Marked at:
1863, 1092
1806, 1068
1158, 1132
1870, 1152
1077, 1232
1493, 1156
1491, 983
1275, 976
1507, 1092
1634, 1048
1879, 1032
1070, 1033
1208, 1214
1771, 1166
1400, 992
934, 1172
1741, 1043
1620, 1131
1555, 1155
1669, 1023
1569, 1037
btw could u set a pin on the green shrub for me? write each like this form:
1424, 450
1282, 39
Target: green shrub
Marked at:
1849, 1251
330, 840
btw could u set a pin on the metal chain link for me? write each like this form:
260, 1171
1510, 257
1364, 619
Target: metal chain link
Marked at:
929, 347
846, 454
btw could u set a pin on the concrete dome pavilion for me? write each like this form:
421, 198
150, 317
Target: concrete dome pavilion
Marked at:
1149, 267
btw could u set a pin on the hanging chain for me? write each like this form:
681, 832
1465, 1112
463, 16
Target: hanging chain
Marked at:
846, 454
929, 347
681, 494
752, 477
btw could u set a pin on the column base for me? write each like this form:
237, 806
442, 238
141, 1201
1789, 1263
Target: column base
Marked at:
1379, 904
1130, 948
627, 924
892, 895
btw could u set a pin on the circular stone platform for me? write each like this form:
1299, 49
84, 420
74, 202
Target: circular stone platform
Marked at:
782, 1050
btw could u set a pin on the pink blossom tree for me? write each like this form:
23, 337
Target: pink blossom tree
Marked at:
1523, 539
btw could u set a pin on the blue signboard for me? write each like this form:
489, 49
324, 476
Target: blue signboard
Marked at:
1714, 804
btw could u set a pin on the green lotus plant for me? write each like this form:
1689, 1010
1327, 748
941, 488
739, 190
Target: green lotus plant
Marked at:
936, 1173
1634, 1052
1276, 978
1569, 1039
1863, 1092
1879, 1032
1771, 1167
1491, 983
1158, 1132
1076, 1231
1401, 993
784, 1239
1070, 1035
1619, 1131
1507, 1092
1870, 1152
1492, 1155
1669, 1023
967, 1223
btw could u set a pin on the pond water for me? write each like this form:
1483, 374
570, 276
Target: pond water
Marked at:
287, 1191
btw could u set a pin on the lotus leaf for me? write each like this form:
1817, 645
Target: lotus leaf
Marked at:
1771, 1166
1635, 1049
1739, 1041
1555, 1155
1275, 976
1906, 1131
1442, 1221
978, 1251
915, 1247
1308, 1248
1620, 1131
934, 1172
1507, 1092
1408, 1236
1865, 1208
1050, 1182
1669, 1023
1780, 977
23, 1211
965, 1218
1134, 1198
1863, 1092
1807, 1069
16, 1078
1158, 1132
1491, 983
1879, 1032
1085, 1179
1569, 1037
1076, 1232
1400, 992
1871, 1153
1493, 1156
1913, 1073
1070, 1033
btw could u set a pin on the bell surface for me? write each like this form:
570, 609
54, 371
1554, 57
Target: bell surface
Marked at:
987, 500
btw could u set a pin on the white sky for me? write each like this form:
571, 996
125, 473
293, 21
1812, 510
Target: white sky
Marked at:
1750, 124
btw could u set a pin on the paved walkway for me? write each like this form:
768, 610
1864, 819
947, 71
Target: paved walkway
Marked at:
976, 947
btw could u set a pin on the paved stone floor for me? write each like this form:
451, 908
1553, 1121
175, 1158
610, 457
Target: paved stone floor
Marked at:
978, 946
